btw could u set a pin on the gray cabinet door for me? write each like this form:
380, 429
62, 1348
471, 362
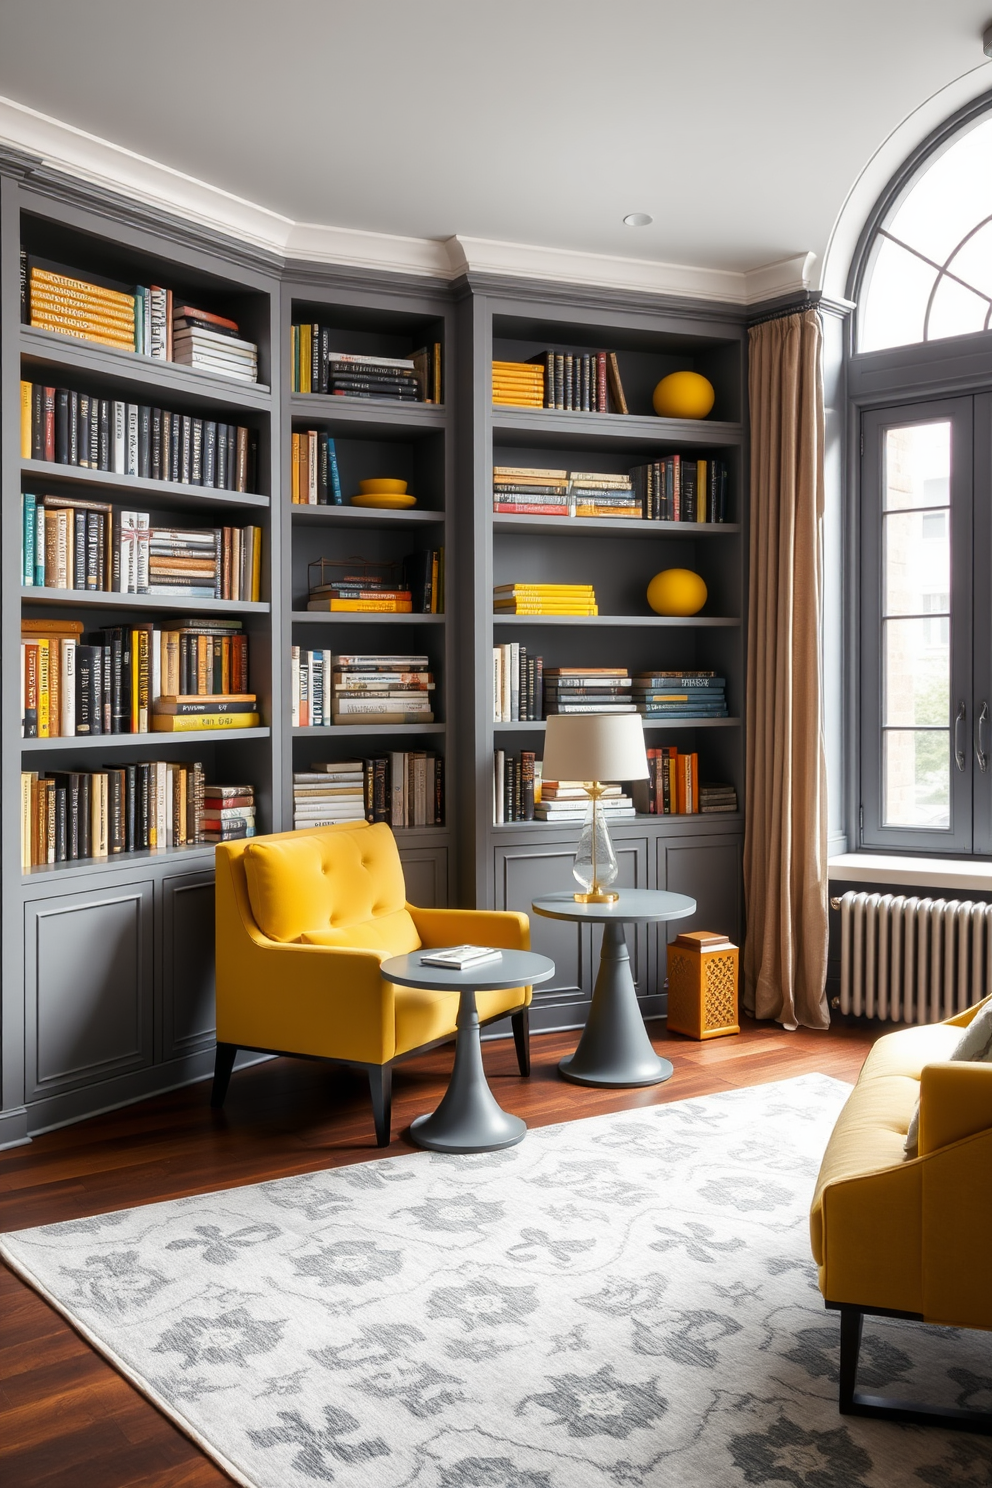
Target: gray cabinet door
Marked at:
709, 870
523, 873
88, 986
425, 870
187, 1011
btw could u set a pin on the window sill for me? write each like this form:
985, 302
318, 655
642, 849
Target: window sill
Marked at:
889, 869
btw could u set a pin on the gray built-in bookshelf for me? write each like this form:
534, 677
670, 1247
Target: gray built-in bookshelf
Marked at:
107, 964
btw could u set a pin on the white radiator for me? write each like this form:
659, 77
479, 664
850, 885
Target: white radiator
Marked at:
912, 960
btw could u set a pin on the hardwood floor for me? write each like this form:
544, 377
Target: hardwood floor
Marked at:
67, 1419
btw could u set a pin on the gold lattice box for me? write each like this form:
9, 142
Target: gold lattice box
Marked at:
702, 985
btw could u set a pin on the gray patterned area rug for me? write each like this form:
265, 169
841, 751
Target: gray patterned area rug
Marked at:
623, 1301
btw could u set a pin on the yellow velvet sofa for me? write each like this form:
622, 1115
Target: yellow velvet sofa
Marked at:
304, 921
898, 1235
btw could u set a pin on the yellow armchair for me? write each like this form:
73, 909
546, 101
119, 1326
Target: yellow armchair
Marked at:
898, 1235
304, 921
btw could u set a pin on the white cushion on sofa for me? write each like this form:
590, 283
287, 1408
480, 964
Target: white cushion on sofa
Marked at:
974, 1046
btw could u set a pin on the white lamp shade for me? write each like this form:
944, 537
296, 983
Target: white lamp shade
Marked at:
595, 746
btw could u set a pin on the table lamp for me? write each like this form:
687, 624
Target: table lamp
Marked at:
593, 748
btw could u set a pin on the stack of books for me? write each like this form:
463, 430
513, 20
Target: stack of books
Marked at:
149, 805
360, 592
587, 690
133, 679
66, 427
516, 786
681, 488
518, 684
310, 688
314, 366
674, 695
531, 492
405, 788
672, 788
714, 798
595, 494
518, 385
393, 378
568, 801
228, 813
582, 382
212, 343
86, 309
316, 480
381, 689
544, 599
68, 542
329, 793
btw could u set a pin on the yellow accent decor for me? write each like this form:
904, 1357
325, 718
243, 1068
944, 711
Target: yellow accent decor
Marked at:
676, 591
381, 485
702, 985
304, 921
685, 395
890, 1231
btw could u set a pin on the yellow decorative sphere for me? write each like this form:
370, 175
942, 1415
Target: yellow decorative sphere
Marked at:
686, 395
676, 591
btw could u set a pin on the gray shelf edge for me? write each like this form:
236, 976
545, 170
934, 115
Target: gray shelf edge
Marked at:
682, 723
617, 427
73, 868
140, 486
363, 617
125, 741
734, 818
365, 516
342, 730
610, 527
327, 408
652, 622
109, 599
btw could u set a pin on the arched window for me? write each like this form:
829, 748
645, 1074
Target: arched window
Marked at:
929, 268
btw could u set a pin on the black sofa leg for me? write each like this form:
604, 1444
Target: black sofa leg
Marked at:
381, 1087
520, 1022
223, 1065
851, 1321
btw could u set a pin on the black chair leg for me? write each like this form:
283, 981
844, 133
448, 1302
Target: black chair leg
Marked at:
223, 1065
520, 1022
381, 1086
851, 1321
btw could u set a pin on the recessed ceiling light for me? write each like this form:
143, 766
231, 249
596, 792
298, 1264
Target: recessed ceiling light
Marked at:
638, 219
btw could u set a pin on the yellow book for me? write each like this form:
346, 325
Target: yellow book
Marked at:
306, 340
701, 492
25, 421
81, 286
175, 723
28, 777
256, 564
44, 692
295, 471
55, 304
547, 609
100, 340
53, 320
357, 606
552, 590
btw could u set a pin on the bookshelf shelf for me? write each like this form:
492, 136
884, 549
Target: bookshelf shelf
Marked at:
732, 820
607, 527
649, 723
194, 854
359, 730
159, 742
324, 617
627, 622
551, 428
99, 599
134, 490
355, 518
102, 369
380, 418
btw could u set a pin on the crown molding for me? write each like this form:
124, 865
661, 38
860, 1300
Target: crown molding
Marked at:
73, 163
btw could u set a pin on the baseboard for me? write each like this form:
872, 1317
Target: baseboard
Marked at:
14, 1127
560, 1017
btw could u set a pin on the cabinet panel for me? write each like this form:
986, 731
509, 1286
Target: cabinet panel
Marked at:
523, 874
708, 869
187, 986
426, 872
88, 986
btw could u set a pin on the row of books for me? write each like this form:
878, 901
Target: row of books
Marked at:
578, 382
681, 488
518, 684
569, 801
689, 694
314, 476
141, 318
672, 788
530, 491
404, 788
91, 546
151, 805
328, 689
587, 690
317, 368
133, 679
544, 599
66, 427
416, 586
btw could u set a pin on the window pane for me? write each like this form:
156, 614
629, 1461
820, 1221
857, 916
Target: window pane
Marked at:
895, 299
917, 466
953, 193
956, 311
916, 778
916, 673
973, 263
916, 563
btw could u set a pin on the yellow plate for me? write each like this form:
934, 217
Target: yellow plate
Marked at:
393, 501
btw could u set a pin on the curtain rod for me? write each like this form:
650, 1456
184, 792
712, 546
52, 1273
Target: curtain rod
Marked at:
809, 301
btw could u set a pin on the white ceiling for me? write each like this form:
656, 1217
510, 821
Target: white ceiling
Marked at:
741, 127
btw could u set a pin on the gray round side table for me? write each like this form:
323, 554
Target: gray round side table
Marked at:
615, 1048
469, 1118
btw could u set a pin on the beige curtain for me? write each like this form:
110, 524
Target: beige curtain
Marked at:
785, 840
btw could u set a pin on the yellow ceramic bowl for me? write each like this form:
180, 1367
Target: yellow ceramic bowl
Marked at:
380, 487
389, 500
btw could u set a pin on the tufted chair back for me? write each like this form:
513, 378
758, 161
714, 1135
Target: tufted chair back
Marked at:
339, 888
